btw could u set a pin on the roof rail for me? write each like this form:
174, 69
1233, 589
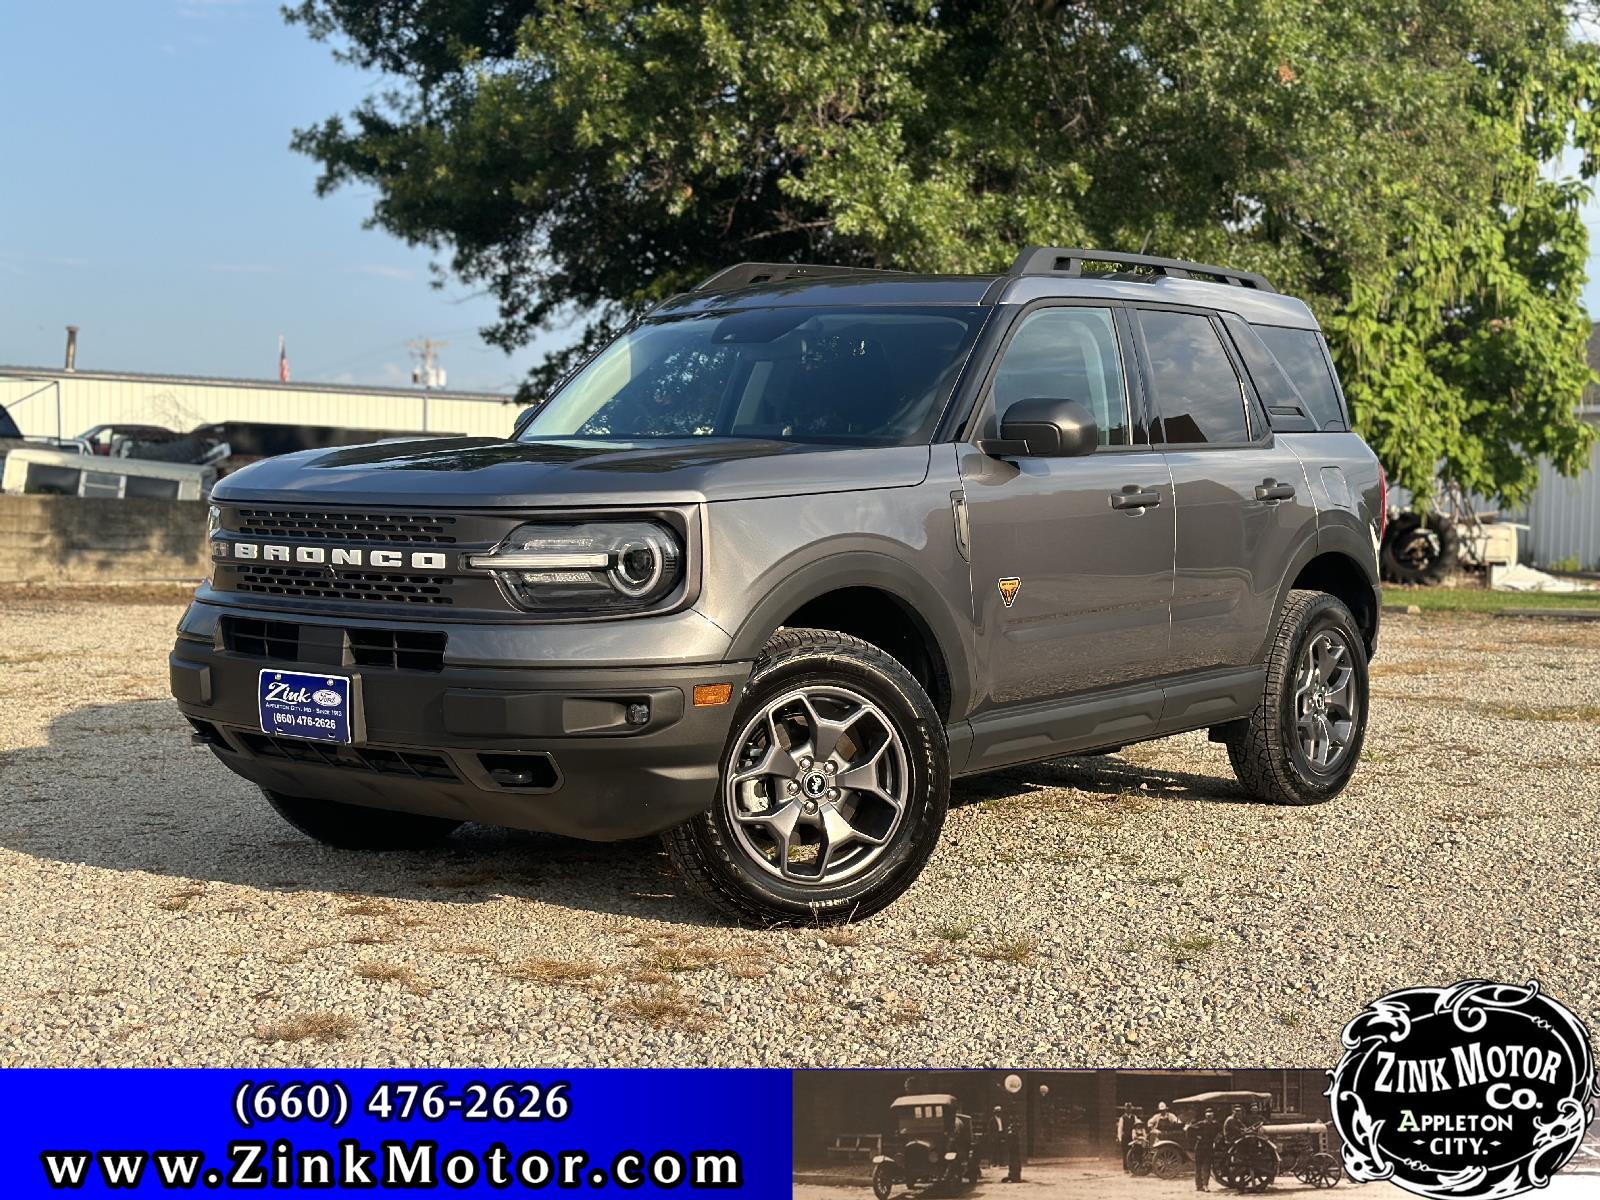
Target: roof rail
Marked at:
747, 273
1053, 260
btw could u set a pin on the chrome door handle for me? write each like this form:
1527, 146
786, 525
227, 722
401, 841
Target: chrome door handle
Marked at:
1132, 497
1271, 489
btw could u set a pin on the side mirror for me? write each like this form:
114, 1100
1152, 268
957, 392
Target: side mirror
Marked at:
1044, 428
524, 418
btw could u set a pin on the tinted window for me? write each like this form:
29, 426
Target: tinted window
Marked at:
1199, 395
1272, 385
8, 427
1300, 353
1066, 354
865, 377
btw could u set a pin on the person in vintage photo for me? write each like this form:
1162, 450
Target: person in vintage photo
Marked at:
1203, 1137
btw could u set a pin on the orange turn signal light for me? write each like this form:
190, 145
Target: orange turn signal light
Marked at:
709, 695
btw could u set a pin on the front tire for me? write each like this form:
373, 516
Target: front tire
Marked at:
833, 789
354, 827
1303, 741
882, 1181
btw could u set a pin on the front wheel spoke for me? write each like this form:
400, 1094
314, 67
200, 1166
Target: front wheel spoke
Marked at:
837, 834
1325, 739
863, 777
836, 824
826, 732
1329, 657
1339, 691
1310, 736
779, 821
776, 761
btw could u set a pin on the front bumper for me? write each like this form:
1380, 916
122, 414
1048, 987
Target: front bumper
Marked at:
531, 747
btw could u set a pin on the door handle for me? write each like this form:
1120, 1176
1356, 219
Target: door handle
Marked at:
1132, 497
1271, 489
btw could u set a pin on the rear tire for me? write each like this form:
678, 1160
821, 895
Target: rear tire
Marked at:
840, 827
1303, 741
355, 827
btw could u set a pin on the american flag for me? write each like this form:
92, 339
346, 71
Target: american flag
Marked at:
283, 361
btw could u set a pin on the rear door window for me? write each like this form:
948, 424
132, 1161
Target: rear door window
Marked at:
1197, 391
1304, 360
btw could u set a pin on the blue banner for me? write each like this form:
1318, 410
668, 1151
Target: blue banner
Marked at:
604, 1133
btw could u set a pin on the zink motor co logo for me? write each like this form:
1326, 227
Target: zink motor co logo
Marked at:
1477, 1090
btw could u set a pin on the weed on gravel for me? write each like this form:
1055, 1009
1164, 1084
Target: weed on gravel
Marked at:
555, 972
1186, 951
1016, 950
313, 1027
664, 1009
180, 900
391, 972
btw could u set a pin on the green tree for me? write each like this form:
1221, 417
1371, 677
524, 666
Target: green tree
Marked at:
1389, 160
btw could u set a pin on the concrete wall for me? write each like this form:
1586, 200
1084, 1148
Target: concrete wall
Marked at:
72, 539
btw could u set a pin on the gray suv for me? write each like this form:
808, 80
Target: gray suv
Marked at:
797, 549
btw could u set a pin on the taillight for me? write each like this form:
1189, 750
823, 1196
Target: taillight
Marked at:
1383, 501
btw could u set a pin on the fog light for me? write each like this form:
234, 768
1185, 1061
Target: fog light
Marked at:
639, 713
709, 695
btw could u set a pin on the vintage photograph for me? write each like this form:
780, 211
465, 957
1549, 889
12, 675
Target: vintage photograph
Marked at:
792, 534
1113, 1134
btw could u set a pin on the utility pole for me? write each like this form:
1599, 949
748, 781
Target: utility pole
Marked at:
427, 374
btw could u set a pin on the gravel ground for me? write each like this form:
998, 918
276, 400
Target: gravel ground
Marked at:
1123, 911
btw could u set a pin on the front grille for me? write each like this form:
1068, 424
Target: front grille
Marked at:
398, 649
398, 528
412, 763
315, 583
275, 640
331, 646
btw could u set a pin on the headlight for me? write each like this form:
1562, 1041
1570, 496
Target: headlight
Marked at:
607, 566
213, 526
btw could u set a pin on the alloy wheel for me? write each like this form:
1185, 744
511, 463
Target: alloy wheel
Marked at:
818, 786
1326, 701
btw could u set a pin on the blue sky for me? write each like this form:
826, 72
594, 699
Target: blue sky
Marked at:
149, 196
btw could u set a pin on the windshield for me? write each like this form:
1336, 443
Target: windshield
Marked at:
859, 377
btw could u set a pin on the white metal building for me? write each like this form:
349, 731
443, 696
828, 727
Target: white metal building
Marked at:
49, 402
1563, 515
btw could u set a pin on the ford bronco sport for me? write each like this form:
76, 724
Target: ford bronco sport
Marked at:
795, 550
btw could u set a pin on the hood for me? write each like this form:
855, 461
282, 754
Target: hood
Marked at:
490, 472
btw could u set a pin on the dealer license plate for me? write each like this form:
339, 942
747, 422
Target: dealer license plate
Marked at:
315, 707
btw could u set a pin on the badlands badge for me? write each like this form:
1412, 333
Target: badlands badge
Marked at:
1478, 1090
1009, 587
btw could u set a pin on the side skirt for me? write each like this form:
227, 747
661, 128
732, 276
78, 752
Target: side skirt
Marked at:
1011, 736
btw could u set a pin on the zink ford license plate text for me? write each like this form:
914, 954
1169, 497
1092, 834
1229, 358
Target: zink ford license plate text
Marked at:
294, 704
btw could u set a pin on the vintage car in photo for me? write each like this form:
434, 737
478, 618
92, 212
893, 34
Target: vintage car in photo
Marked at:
932, 1143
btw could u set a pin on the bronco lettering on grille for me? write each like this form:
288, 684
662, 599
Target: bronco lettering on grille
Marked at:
332, 556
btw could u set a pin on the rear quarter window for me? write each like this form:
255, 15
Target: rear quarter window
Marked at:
1303, 358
